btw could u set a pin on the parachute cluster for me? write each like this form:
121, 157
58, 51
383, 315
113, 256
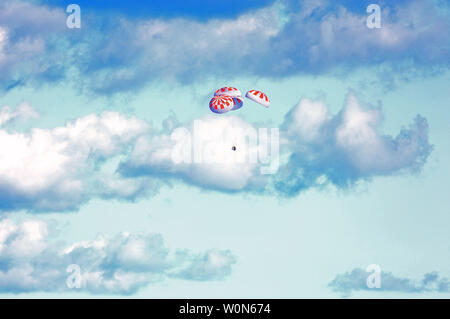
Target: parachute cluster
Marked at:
230, 99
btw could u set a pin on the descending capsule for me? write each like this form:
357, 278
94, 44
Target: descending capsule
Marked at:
258, 97
221, 104
228, 90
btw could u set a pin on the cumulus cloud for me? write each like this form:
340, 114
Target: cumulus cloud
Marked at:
183, 49
118, 157
199, 153
321, 148
347, 147
59, 168
121, 264
28, 47
340, 36
177, 49
356, 280
314, 37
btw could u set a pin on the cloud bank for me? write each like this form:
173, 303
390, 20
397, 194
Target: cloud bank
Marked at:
113, 156
31, 262
345, 148
355, 280
205, 160
314, 37
53, 169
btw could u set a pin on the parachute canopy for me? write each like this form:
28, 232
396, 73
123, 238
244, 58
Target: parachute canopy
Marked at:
258, 97
230, 99
238, 102
221, 104
228, 90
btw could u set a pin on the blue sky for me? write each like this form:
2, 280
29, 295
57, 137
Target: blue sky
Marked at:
199, 9
87, 115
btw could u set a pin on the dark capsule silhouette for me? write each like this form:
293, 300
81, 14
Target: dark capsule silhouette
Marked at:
233, 148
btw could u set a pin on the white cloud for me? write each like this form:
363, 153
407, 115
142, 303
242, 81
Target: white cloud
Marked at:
206, 158
347, 147
60, 168
26, 240
370, 151
340, 36
56, 168
23, 240
122, 264
3, 40
312, 37
115, 156
25, 32
307, 120
212, 264
356, 280
315, 38
23, 110
178, 49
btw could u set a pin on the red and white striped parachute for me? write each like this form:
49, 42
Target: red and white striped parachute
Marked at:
258, 97
230, 99
221, 104
228, 90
